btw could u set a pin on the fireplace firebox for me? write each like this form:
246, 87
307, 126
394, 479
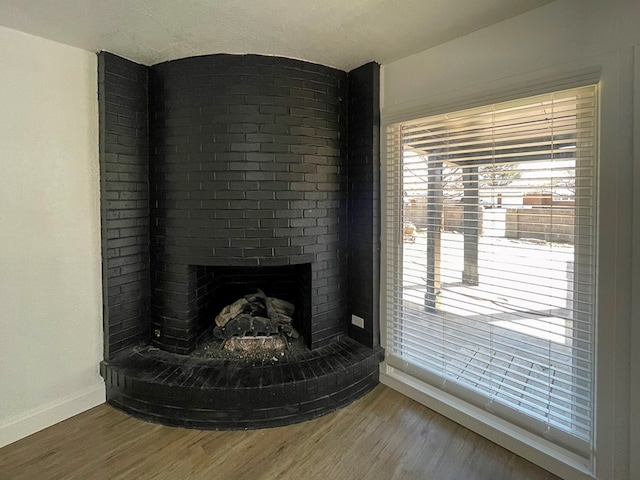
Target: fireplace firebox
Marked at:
217, 287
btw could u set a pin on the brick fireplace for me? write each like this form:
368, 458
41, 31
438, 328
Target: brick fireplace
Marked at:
222, 174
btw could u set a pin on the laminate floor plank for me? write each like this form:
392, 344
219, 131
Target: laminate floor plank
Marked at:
381, 436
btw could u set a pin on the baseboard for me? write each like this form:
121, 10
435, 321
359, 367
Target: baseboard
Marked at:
51, 413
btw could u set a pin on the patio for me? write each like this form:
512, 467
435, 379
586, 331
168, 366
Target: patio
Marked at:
515, 349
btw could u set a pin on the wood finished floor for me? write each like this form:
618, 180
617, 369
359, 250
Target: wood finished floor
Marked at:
384, 435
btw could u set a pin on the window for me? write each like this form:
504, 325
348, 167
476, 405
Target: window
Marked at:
491, 259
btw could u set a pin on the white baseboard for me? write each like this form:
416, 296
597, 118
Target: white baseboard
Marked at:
37, 419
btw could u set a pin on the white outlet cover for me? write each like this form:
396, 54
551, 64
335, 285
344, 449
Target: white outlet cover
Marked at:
357, 321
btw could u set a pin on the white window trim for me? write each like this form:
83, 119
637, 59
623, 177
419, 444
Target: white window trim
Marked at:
634, 414
612, 232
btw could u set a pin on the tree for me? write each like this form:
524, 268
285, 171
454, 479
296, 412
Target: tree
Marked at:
489, 177
565, 185
492, 176
497, 175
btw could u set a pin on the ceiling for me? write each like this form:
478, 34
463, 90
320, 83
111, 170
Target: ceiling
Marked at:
338, 33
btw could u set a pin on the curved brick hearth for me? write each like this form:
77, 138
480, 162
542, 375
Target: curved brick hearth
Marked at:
186, 391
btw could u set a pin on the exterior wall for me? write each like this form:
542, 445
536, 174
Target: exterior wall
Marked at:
452, 215
51, 341
551, 225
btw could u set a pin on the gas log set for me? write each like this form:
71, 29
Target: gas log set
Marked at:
256, 324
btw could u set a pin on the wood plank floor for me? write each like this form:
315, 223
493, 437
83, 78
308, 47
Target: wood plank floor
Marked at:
384, 435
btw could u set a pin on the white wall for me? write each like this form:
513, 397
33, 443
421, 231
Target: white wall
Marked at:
561, 39
50, 273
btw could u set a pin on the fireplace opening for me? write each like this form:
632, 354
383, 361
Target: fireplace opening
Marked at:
261, 313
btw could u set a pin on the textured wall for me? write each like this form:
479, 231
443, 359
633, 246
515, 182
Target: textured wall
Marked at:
51, 341
125, 200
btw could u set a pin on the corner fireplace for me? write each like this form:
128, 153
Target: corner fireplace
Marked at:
222, 175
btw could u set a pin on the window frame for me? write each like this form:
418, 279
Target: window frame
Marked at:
611, 305
416, 321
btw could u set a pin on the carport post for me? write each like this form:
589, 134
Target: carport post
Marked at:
434, 233
471, 226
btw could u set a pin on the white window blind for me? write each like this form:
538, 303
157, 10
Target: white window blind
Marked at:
491, 265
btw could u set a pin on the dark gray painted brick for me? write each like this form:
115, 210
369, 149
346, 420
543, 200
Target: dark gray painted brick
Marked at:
244, 149
363, 204
124, 162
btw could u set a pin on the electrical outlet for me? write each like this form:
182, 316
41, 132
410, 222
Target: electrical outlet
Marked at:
357, 321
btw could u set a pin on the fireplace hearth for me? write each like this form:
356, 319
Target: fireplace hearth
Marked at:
230, 394
229, 178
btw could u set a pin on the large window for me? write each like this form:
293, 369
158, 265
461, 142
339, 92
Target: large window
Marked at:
491, 259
